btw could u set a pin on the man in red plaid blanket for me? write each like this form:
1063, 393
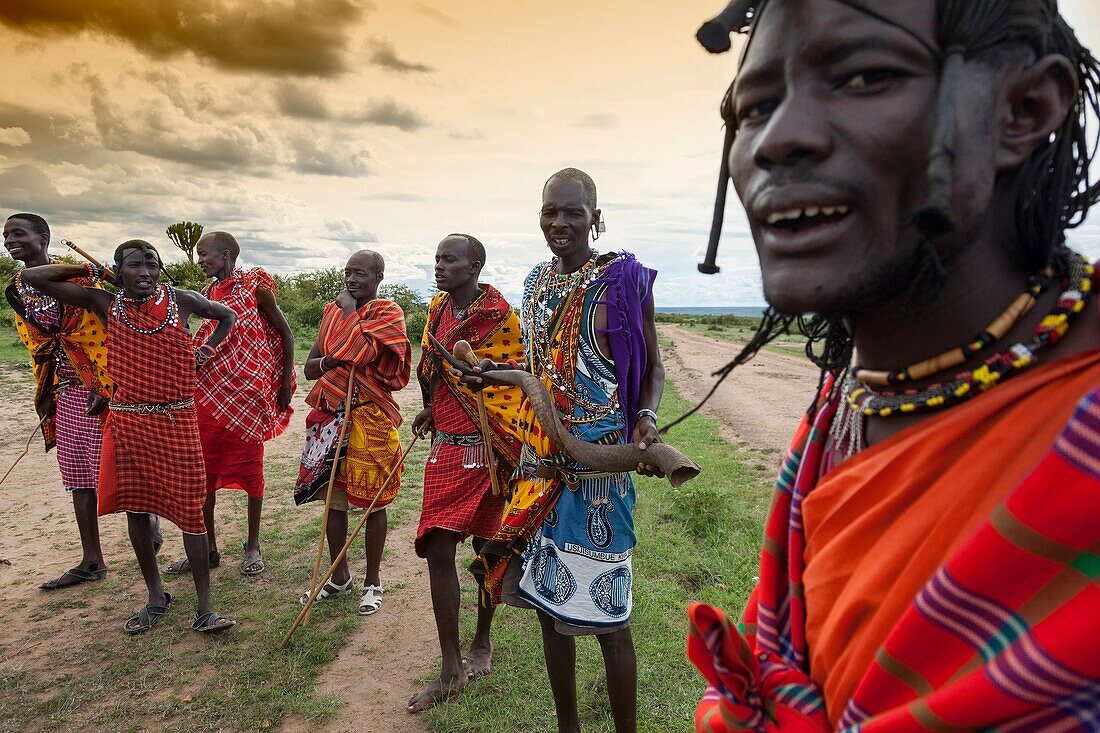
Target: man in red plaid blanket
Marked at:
242, 395
909, 169
151, 461
460, 499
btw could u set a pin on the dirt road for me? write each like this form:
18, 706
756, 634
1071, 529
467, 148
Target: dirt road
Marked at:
759, 404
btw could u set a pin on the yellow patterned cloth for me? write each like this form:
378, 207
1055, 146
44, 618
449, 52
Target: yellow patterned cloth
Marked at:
374, 451
81, 335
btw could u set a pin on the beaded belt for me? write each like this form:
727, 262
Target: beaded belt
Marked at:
153, 408
458, 438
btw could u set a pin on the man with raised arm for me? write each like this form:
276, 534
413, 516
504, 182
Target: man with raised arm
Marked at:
364, 332
461, 499
910, 169
152, 457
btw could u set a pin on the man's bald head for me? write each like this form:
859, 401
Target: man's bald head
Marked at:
221, 242
368, 258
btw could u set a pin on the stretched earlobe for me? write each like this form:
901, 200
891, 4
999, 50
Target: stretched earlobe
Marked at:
1038, 102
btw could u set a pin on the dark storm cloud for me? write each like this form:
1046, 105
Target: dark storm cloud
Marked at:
297, 37
388, 112
383, 54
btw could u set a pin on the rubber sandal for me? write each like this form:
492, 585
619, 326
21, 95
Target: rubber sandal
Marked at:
183, 567
211, 623
253, 567
147, 617
330, 590
81, 575
370, 600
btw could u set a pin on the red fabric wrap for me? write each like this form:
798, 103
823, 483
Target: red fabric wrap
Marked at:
231, 463
152, 463
239, 385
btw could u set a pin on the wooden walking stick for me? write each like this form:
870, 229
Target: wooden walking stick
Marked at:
26, 449
331, 481
347, 545
464, 351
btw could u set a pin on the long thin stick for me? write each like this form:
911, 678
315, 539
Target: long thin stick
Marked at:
486, 434
331, 482
26, 449
347, 545
76, 248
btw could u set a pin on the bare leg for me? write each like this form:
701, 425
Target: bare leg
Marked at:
374, 536
208, 516
255, 507
141, 538
87, 523
198, 552
337, 533
561, 666
443, 578
480, 657
621, 668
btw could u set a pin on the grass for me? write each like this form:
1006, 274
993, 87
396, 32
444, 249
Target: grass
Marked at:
697, 542
12, 350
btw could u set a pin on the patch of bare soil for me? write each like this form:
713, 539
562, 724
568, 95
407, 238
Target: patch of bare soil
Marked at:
760, 403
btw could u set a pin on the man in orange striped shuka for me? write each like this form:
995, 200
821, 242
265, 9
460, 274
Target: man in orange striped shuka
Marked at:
910, 169
368, 333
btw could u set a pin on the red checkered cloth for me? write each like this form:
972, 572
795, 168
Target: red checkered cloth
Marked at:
238, 386
152, 463
79, 437
457, 497
231, 463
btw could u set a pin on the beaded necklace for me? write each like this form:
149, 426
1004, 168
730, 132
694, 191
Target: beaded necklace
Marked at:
861, 401
171, 309
40, 307
548, 284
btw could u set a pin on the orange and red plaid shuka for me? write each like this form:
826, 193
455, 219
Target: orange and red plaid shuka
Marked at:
375, 341
1002, 633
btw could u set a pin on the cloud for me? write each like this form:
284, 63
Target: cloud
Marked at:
343, 230
436, 15
596, 121
14, 137
332, 160
383, 54
300, 101
398, 197
298, 37
388, 112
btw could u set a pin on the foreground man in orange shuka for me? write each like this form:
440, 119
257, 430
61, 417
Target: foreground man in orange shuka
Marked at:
909, 169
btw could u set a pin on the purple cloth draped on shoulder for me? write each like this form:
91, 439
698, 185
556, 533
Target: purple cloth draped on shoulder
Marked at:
629, 291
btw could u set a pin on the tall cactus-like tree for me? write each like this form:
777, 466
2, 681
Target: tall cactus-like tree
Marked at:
185, 235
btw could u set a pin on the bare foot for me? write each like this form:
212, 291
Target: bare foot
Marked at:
479, 661
435, 693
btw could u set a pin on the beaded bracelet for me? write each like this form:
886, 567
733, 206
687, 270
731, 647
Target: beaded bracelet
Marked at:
93, 271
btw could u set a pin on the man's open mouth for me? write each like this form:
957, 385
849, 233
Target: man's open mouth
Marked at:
800, 219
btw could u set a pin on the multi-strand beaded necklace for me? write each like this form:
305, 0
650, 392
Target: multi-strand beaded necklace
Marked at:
164, 296
552, 288
862, 399
39, 307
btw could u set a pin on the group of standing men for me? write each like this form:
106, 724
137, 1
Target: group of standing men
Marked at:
181, 415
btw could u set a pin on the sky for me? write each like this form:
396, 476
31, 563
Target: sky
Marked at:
314, 128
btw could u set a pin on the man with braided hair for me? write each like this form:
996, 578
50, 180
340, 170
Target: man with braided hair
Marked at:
151, 461
69, 362
909, 170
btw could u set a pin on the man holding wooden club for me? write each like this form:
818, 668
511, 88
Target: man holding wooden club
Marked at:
362, 355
